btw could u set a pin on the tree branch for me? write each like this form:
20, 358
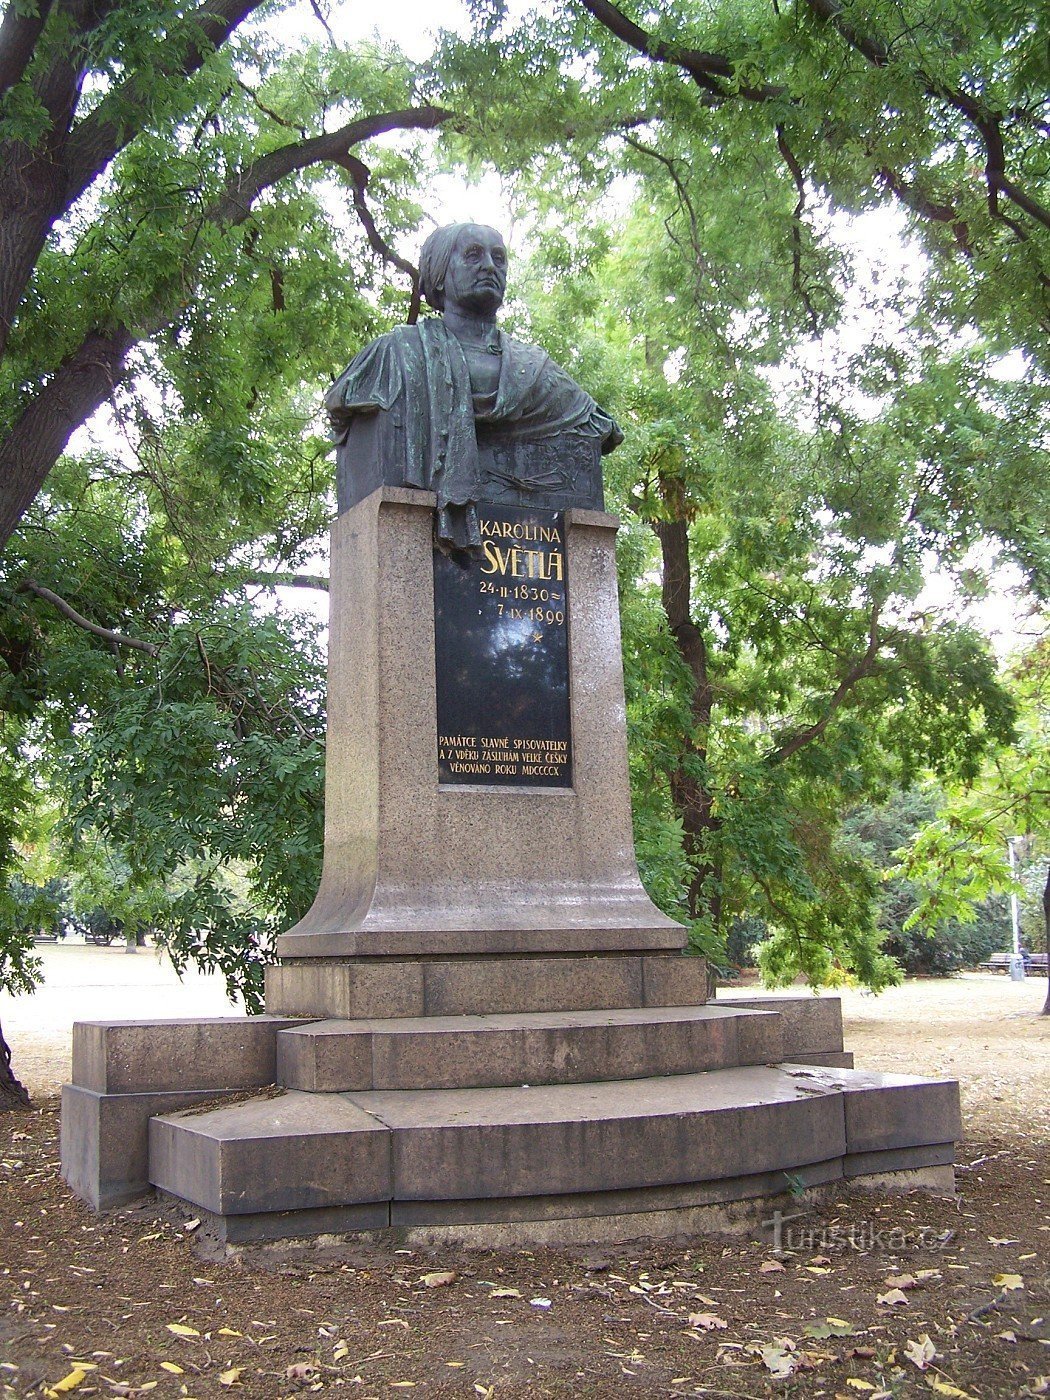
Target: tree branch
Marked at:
18, 35
706, 69
360, 175
282, 580
797, 284
107, 634
87, 377
988, 124
863, 668
121, 114
711, 72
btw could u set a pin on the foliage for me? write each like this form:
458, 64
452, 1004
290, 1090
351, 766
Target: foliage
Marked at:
876, 832
805, 438
959, 859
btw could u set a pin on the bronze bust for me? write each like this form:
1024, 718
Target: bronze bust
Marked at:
455, 406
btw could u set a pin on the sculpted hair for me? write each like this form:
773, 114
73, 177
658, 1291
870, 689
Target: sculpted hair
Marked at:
434, 258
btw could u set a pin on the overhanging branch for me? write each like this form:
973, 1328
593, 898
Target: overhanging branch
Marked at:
67, 610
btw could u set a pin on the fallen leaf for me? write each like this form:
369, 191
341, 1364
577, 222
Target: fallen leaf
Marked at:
999, 1243
181, 1330
901, 1281
232, 1376
858, 1384
771, 1266
504, 1293
777, 1360
402, 1385
171, 1366
540, 1302
830, 1327
341, 1351
228, 1332
440, 1278
920, 1353
891, 1299
1008, 1281
707, 1322
1007, 1336
301, 1371
945, 1388
812, 1269
68, 1383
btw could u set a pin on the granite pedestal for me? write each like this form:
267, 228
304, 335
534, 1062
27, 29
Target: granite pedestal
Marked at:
483, 1029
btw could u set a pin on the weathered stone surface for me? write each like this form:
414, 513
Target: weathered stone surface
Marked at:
886, 1111
469, 988
536, 1048
405, 855
133, 1057
104, 1141
674, 981
292, 1152
323, 989
898, 1159
833, 1059
811, 1024
462, 1144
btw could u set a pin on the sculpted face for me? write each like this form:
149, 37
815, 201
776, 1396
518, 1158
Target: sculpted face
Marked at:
476, 279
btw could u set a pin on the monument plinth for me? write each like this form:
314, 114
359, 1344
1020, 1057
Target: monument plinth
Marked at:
483, 1027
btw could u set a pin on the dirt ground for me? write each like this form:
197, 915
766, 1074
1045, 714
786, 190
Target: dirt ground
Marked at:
876, 1295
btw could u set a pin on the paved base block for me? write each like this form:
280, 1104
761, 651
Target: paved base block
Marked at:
292, 1151
386, 987
104, 1141
146, 1057
458, 1052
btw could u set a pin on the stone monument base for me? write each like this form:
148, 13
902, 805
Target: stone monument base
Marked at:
546, 1100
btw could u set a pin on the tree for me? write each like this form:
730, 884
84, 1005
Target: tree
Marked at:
169, 247
961, 858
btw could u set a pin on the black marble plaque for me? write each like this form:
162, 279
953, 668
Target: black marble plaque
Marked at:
502, 654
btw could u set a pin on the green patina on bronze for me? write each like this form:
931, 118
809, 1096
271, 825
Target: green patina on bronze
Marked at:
455, 379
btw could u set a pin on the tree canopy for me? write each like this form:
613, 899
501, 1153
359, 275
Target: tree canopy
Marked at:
200, 224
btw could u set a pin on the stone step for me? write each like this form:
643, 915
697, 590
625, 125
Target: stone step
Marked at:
466, 986
368, 1155
560, 1047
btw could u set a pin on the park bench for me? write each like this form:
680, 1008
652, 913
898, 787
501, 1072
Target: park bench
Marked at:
1000, 962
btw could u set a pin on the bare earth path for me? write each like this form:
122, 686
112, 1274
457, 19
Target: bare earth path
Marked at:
880, 1297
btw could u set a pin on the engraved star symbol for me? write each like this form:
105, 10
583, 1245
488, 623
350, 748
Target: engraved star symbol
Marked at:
537, 636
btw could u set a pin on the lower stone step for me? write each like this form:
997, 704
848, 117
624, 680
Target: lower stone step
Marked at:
365, 1155
556, 1047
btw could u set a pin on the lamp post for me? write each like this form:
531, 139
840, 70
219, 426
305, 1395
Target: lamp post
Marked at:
1014, 910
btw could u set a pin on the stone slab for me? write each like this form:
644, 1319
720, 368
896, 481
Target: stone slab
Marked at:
899, 1159
136, 1057
440, 1052
811, 1023
532, 933
290, 1152
323, 989
886, 1111
105, 1141
674, 981
347, 989
475, 1143
470, 988
832, 1059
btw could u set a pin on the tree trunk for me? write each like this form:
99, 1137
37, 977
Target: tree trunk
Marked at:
12, 1093
693, 801
1046, 939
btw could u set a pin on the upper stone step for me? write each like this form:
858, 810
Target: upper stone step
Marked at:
527, 1048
